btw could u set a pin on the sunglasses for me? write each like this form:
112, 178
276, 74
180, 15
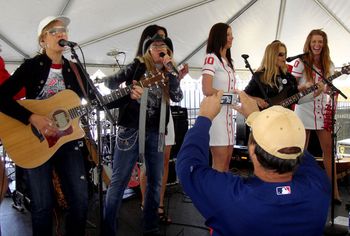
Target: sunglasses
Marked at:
56, 30
281, 54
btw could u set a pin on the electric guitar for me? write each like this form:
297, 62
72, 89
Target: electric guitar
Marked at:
29, 148
293, 99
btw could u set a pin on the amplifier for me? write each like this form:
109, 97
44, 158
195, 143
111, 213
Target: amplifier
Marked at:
343, 148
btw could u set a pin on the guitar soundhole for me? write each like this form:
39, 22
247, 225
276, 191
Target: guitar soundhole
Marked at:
61, 119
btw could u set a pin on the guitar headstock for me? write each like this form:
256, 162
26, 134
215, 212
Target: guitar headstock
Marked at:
346, 69
157, 79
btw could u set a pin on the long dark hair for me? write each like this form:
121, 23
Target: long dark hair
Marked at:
149, 31
217, 39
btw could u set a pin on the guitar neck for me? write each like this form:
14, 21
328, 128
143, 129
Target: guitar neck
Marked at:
119, 93
293, 99
78, 111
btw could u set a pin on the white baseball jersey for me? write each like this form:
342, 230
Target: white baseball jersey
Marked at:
310, 110
222, 129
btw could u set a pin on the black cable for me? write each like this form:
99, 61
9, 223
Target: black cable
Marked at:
82, 54
181, 224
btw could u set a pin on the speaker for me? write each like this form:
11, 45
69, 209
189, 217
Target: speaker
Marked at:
314, 146
242, 130
172, 178
180, 117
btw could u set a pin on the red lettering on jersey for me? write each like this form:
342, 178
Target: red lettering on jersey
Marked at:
296, 63
209, 60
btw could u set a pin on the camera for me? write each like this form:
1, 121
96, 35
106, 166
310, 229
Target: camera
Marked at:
230, 99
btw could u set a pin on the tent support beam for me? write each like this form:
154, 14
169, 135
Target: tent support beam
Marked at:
280, 19
144, 23
65, 7
331, 14
14, 47
246, 7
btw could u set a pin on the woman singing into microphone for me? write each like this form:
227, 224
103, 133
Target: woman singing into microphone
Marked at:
42, 77
140, 125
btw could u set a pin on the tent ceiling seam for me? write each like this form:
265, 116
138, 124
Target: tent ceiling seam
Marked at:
331, 14
65, 7
240, 12
144, 23
13, 46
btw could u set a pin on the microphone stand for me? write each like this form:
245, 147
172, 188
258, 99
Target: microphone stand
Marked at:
331, 229
100, 105
247, 65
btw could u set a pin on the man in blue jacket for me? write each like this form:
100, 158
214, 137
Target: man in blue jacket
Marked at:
289, 194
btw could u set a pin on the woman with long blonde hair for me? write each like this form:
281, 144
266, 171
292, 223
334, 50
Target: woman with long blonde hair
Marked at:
272, 82
141, 132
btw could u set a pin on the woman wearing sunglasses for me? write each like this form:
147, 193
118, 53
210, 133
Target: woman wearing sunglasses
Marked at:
272, 83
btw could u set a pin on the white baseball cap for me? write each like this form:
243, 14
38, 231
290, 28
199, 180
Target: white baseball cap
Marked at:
47, 20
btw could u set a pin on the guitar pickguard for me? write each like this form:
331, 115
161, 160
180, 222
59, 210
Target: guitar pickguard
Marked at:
52, 140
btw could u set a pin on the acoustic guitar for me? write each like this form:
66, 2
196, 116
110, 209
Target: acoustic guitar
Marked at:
29, 148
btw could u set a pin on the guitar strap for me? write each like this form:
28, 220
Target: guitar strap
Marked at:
83, 118
142, 127
76, 72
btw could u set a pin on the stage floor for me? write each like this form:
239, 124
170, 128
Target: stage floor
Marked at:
185, 218
186, 221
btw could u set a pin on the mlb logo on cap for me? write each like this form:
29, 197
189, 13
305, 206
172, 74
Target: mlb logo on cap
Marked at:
283, 190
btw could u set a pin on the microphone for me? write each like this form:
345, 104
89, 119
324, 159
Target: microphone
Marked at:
289, 59
114, 52
170, 65
245, 56
63, 42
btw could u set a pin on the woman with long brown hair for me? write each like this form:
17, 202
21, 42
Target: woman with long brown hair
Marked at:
313, 107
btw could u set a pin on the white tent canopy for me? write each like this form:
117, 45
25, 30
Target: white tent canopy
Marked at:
105, 25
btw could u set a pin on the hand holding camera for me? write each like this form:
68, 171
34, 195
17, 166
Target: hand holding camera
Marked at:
230, 99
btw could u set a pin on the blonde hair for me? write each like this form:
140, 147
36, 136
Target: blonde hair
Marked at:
325, 55
42, 35
268, 64
151, 69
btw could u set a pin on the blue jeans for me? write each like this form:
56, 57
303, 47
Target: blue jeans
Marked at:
68, 163
125, 156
